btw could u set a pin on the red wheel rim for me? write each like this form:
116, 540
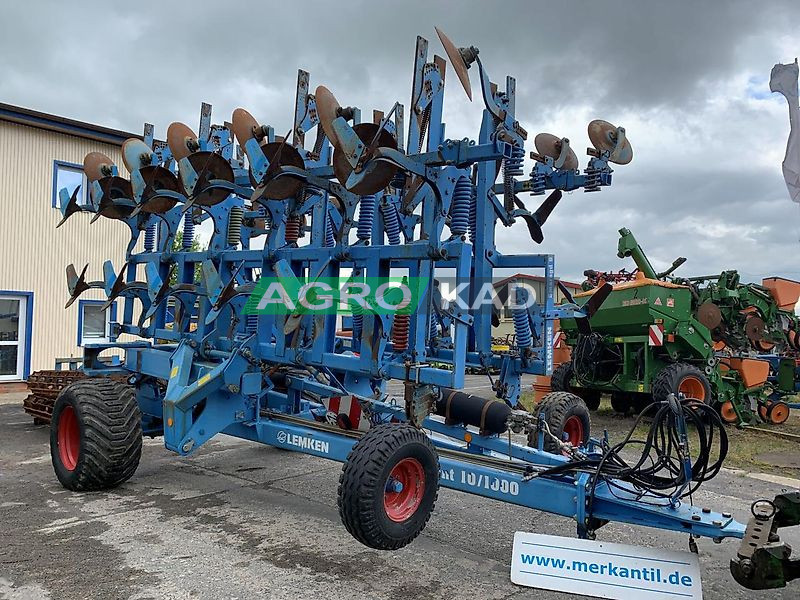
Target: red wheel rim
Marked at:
574, 430
404, 490
69, 438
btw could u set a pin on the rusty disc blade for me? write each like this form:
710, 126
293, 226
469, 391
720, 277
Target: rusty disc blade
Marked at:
209, 166
549, 145
179, 136
792, 338
378, 178
709, 315
763, 345
94, 164
115, 188
157, 178
135, 154
754, 328
328, 110
285, 186
243, 125
603, 134
459, 66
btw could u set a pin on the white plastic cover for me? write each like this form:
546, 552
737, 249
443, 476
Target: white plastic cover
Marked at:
783, 80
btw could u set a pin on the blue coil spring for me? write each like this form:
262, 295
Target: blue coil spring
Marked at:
538, 183
188, 231
592, 180
358, 323
512, 166
433, 326
330, 239
251, 323
391, 221
366, 214
459, 209
150, 237
522, 325
473, 215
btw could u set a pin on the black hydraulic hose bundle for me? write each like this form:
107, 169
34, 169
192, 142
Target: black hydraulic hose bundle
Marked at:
592, 358
658, 470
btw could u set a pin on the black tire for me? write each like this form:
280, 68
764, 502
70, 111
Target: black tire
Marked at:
675, 377
95, 434
621, 402
591, 398
563, 412
363, 494
561, 381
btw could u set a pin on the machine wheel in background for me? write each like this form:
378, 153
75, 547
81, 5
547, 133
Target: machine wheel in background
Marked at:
388, 486
567, 416
682, 378
622, 402
560, 382
777, 412
728, 413
95, 434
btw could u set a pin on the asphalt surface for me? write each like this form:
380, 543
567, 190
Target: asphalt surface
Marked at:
241, 520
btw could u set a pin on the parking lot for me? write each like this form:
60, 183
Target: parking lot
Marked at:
240, 520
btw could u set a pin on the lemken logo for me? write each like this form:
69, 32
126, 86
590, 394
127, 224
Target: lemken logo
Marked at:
304, 442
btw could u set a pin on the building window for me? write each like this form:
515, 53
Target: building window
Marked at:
94, 323
69, 176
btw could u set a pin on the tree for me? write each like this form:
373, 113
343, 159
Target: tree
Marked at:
177, 246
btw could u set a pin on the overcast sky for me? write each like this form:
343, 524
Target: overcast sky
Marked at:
688, 80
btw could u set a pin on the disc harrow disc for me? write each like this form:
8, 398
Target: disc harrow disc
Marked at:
328, 110
156, 179
114, 189
754, 328
603, 136
244, 126
94, 164
380, 177
209, 166
459, 66
180, 139
549, 145
283, 187
135, 154
709, 315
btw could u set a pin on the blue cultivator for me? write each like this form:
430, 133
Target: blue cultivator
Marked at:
392, 201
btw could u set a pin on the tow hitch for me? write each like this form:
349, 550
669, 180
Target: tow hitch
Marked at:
763, 561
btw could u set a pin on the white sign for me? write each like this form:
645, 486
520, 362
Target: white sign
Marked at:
604, 570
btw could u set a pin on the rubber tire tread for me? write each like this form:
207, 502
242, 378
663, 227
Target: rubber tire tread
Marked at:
110, 425
668, 379
363, 480
557, 408
622, 402
559, 380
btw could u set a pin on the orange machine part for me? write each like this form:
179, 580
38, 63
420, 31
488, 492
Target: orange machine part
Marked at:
784, 291
753, 371
541, 388
728, 413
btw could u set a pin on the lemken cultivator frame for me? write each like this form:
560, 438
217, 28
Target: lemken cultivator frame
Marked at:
386, 207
